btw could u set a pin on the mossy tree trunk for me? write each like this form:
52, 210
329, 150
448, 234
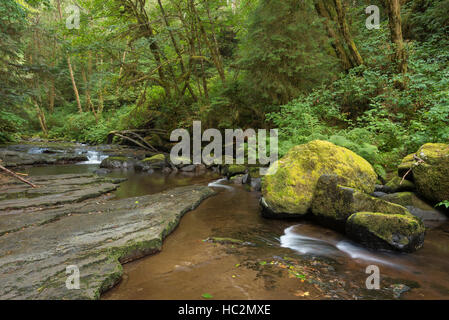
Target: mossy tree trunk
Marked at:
395, 24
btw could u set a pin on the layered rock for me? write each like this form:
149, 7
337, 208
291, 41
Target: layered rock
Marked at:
94, 238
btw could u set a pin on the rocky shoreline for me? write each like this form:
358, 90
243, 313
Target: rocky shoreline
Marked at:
95, 235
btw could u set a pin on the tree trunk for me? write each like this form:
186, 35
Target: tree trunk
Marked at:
69, 63
333, 35
75, 89
344, 27
395, 24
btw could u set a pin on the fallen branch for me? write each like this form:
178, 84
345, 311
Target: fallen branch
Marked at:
17, 176
418, 162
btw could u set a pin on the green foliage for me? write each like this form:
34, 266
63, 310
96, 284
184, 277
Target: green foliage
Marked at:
368, 113
283, 53
444, 203
10, 124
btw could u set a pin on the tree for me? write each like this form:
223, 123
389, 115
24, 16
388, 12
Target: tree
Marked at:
395, 23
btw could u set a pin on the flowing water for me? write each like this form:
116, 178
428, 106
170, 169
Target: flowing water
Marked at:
188, 266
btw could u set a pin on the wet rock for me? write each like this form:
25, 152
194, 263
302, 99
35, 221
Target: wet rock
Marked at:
33, 261
246, 179
378, 194
17, 158
399, 289
238, 179
333, 202
256, 184
386, 231
166, 170
118, 163
188, 168
291, 188
102, 171
55, 190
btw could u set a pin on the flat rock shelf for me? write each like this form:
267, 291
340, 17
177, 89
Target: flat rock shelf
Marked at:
95, 235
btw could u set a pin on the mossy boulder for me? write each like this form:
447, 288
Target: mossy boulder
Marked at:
432, 175
333, 202
290, 189
234, 169
386, 231
118, 163
155, 159
155, 162
396, 184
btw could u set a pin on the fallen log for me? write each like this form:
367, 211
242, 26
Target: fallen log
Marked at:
17, 176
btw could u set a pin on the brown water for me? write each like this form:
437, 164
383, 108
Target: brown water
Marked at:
283, 260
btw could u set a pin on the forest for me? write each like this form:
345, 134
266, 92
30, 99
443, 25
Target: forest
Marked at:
92, 90
310, 68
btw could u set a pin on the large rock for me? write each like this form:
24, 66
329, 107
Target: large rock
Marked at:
417, 207
386, 231
333, 202
156, 162
12, 158
118, 163
95, 237
289, 191
432, 176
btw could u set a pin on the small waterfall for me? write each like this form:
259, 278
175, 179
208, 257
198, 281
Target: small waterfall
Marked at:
94, 157
217, 184
319, 247
36, 150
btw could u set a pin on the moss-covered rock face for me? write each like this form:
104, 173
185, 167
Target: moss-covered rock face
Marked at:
333, 202
386, 231
155, 159
290, 190
432, 176
396, 184
234, 169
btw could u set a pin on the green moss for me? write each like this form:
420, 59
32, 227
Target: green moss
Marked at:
400, 198
335, 202
254, 172
291, 188
432, 176
236, 168
397, 184
155, 159
390, 228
